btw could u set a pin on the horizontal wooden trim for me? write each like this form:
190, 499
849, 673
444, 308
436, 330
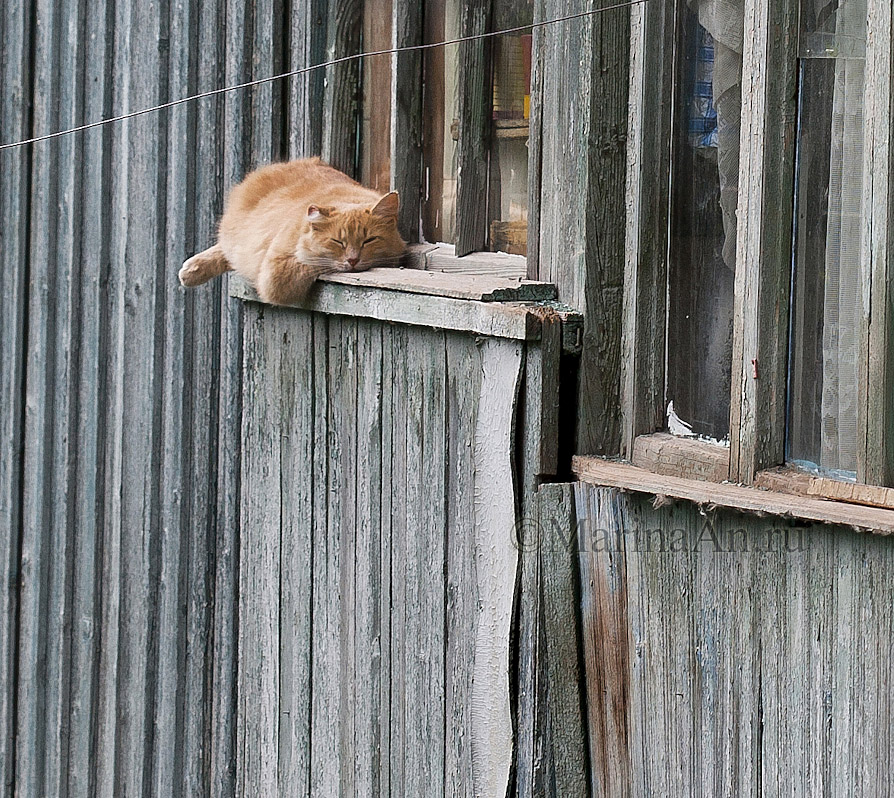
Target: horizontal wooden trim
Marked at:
790, 479
442, 258
598, 471
663, 453
497, 319
480, 287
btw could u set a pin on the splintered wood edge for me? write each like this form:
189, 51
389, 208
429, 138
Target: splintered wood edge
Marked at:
597, 471
497, 319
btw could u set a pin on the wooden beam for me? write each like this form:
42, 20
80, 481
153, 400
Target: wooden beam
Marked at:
609, 473
406, 115
648, 187
497, 319
875, 446
442, 258
663, 453
763, 250
479, 287
341, 108
474, 126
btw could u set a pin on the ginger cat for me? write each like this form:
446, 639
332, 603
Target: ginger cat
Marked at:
287, 223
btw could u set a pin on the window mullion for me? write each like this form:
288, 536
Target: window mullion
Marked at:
763, 255
406, 114
875, 454
648, 186
474, 67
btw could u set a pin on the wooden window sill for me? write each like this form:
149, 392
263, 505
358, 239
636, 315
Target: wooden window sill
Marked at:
486, 304
610, 473
442, 258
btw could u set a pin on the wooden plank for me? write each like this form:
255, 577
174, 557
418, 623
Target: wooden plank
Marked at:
368, 604
463, 360
875, 447
258, 722
297, 486
15, 124
535, 140
763, 247
91, 256
423, 664
649, 124
763, 502
406, 115
341, 102
582, 202
307, 47
502, 320
473, 63
478, 287
554, 761
443, 258
44, 605
663, 453
398, 558
496, 560
598, 522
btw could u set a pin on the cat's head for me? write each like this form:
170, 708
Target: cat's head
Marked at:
352, 238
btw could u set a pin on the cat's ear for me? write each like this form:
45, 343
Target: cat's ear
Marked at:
387, 207
316, 214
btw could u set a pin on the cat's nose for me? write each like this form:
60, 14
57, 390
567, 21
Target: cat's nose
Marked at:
352, 261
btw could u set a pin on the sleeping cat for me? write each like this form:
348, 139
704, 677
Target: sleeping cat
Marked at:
287, 223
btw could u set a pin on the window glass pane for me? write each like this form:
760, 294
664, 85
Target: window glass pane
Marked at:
705, 181
375, 156
825, 331
508, 204
507, 189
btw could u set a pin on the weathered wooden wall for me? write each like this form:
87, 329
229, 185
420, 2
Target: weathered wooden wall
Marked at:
119, 392
378, 561
730, 655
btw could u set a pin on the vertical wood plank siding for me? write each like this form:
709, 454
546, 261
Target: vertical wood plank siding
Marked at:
580, 70
15, 123
120, 393
378, 558
732, 655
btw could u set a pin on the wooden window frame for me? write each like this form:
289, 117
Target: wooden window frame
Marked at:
763, 252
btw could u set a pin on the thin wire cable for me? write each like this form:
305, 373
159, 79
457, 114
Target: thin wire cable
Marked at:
292, 73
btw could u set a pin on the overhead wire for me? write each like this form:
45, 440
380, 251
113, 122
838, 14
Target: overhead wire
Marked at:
304, 70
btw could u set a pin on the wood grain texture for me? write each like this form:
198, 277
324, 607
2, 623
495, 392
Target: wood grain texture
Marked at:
552, 730
652, 32
875, 449
582, 215
733, 640
473, 63
503, 320
663, 453
762, 502
763, 247
406, 114
341, 98
15, 124
479, 287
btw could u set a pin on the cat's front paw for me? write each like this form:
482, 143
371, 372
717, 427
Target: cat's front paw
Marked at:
191, 273
202, 267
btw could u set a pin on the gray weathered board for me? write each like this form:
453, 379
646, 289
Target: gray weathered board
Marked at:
728, 654
378, 562
120, 392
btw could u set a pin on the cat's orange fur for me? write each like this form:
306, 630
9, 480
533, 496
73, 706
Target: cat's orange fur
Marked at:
287, 223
